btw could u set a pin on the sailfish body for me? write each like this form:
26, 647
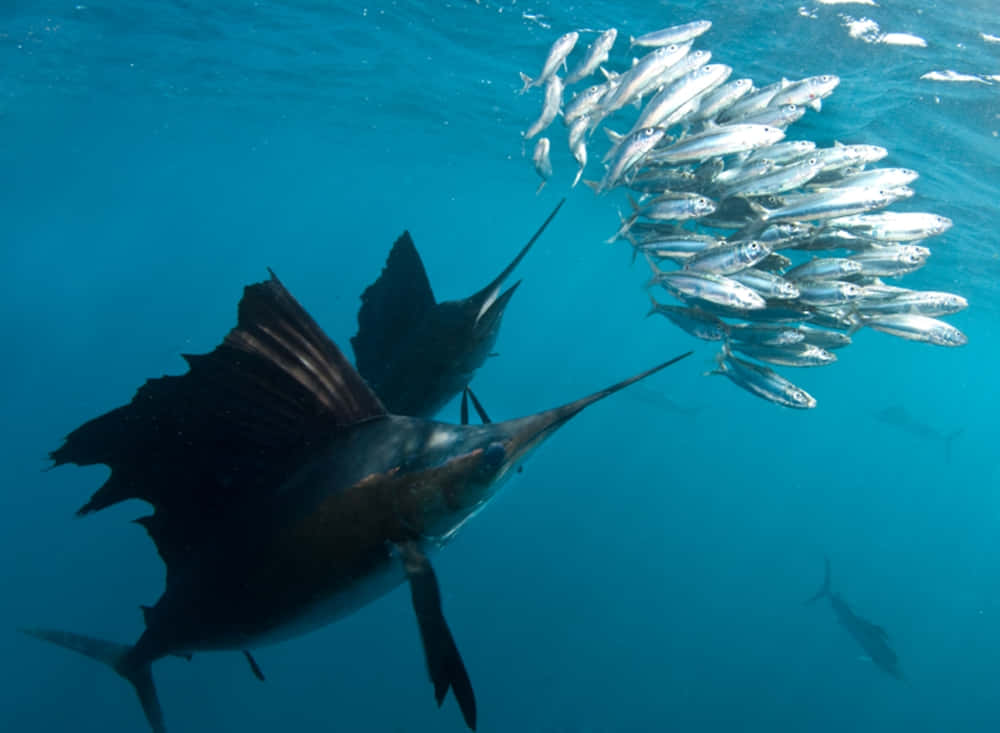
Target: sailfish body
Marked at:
416, 353
872, 638
285, 496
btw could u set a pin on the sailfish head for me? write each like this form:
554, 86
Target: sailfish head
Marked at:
490, 303
484, 456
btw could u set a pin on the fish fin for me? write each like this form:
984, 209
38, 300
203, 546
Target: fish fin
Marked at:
480, 410
444, 663
540, 187
825, 590
762, 211
948, 440
392, 307
615, 137
816, 104
720, 363
254, 667
122, 659
594, 186
576, 180
631, 41
527, 81
654, 306
234, 425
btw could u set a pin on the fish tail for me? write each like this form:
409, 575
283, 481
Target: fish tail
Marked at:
528, 82
825, 590
540, 187
948, 439
122, 658
654, 307
577, 179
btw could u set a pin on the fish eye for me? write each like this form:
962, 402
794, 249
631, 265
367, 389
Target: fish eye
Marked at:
813, 161
493, 456
825, 77
799, 396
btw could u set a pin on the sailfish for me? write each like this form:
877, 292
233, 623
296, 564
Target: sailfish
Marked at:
417, 353
873, 638
285, 496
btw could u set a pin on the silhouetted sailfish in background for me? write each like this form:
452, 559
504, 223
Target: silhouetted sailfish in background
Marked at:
416, 353
873, 639
285, 496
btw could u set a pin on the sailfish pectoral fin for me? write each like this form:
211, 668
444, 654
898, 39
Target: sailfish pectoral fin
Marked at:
444, 663
480, 410
468, 394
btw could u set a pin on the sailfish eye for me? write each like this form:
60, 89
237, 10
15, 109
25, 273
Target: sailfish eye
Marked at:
493, 456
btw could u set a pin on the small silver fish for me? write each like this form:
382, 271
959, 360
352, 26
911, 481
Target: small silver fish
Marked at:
765, 334
891, 260
557, 56
823, 338
896, 226
717, 140
597, 53
827, 292
722, 98
784, 152
673, 96
881, 177
923, 303
674, 34
809, 91
777, 180
766, 283
632, 83
728, 258
919, 328
550, 108
693, 321
762, 381
791, 355
781, 116
824, 268
540, 157
583, 103
708, 287
579, 152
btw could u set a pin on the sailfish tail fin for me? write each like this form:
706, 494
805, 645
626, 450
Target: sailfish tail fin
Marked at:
825, 590
121, 658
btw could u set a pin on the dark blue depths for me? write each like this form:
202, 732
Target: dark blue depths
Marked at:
647, 570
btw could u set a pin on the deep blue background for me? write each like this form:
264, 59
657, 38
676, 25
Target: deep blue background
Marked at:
647, 569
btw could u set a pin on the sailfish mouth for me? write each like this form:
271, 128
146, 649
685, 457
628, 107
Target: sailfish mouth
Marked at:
489, 297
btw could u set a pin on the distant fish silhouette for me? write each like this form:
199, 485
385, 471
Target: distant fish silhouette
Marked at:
416, 353
899, 417
873, 639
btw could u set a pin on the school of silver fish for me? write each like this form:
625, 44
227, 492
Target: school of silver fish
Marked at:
811, 240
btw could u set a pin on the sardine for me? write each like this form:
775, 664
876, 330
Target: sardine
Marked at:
557, 56
919, 328
543, 166
597, 53
762, 381
550, 108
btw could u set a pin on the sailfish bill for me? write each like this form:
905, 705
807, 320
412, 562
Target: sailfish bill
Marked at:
416, 353
285, 496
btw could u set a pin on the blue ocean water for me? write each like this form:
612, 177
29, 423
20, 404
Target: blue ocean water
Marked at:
647, 570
